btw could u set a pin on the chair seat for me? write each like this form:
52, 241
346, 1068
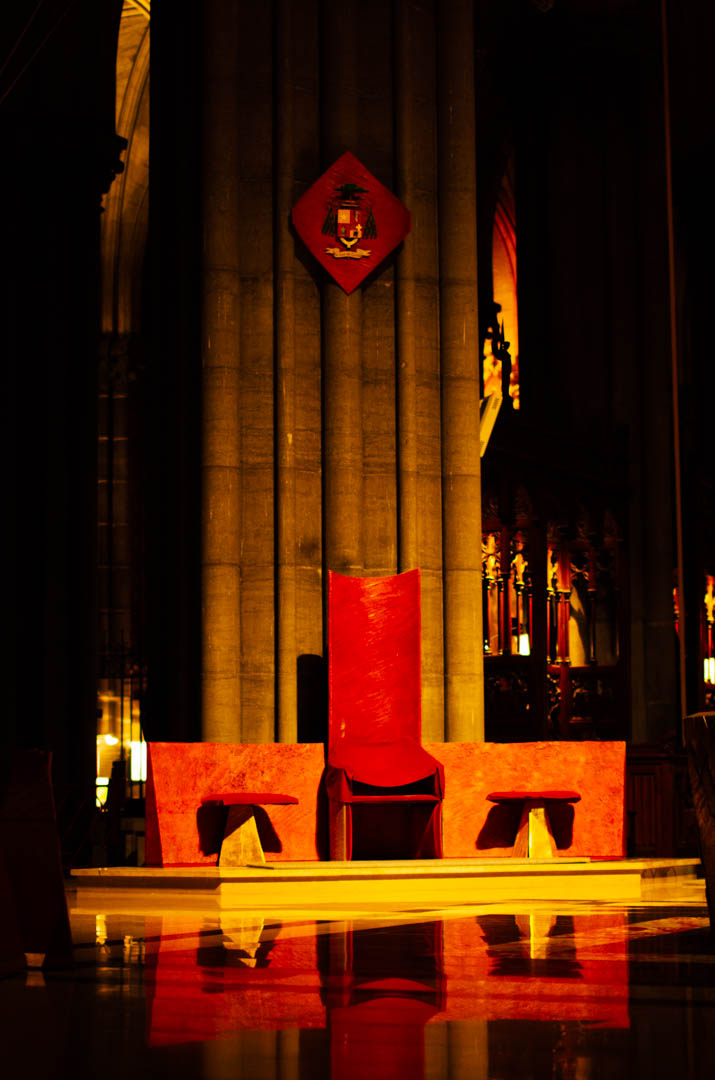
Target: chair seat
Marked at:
392, 798
385, 764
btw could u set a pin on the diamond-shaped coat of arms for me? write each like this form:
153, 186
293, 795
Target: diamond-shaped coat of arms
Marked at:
350, 221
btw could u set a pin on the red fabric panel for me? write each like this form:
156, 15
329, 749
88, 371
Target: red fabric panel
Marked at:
542, 796
248, 798
181, 774
596, 770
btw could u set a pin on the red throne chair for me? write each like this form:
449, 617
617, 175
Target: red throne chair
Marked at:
384, 790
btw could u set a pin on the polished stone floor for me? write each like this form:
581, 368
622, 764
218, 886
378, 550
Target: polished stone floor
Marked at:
500, 990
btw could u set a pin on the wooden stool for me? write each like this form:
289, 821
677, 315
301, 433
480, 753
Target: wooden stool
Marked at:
534, 838
241, 845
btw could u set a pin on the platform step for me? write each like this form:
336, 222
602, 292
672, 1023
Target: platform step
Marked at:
410, 883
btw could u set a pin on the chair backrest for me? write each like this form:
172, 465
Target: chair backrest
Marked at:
374, 659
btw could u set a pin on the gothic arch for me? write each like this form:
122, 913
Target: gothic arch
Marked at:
125, 218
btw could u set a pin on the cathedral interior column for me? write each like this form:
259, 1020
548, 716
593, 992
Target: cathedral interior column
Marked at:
461, 465
342, 314
285, 390
417, 342
220, 342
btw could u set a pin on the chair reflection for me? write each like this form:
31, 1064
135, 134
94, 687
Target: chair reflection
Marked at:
382, 985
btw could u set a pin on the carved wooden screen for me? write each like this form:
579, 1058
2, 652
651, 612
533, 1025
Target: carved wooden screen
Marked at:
552, 596
585, 672
513, 672
707, 638
705, 685
508, 609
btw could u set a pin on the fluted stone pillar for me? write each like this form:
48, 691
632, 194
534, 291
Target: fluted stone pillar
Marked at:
467, 1050
375, 147
255, 89
341, 314
298, 609
286, 684
342, 435
220, 358
461, 466
417, 341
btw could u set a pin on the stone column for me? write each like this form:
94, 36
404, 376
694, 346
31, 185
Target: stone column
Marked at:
220, 352
253, 66
299, 492
407, 148
468, 1050
342, 314
342, 437
655, 698
376, 148
417, 342
461, 465
286, 684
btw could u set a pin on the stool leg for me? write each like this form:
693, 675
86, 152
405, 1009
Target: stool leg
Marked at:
535, 928
243, 938
241, 844
534, 840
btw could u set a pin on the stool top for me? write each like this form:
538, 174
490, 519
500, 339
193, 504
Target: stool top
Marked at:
540, 796
247, 798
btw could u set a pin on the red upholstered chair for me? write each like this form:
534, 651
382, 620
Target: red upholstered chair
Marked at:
380, 781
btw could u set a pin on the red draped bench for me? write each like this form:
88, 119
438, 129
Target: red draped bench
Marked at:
241, 845
534, 838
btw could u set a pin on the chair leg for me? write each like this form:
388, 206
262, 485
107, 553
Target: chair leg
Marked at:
241, 844
341, 831
437, 830
429, 844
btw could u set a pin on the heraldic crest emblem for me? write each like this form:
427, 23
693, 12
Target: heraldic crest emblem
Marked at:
349, 220
364, 220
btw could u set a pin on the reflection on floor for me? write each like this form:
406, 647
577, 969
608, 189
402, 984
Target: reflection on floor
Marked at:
577, 990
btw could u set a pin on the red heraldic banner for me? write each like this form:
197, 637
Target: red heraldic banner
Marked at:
350, 222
